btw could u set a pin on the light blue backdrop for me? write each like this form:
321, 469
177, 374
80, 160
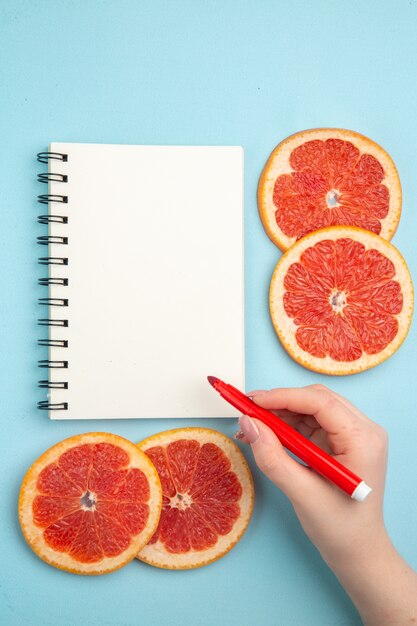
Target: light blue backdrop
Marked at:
198, 72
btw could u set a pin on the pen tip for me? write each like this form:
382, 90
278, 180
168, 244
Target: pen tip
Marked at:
212, 380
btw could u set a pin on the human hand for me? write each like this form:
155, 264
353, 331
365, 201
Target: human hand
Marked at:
336, 524
350, 535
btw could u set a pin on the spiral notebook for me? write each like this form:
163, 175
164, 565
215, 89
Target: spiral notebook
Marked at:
144, 279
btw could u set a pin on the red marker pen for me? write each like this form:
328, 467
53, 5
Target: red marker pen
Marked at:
302, 447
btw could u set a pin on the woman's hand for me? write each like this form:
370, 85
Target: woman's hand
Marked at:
350, 535
333, 522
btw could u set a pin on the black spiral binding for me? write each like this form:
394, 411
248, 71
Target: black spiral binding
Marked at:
58, 343
45, 177
49, 219
46, 240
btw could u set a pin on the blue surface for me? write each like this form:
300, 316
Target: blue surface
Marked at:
195, 72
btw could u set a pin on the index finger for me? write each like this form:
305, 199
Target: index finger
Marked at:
329, 412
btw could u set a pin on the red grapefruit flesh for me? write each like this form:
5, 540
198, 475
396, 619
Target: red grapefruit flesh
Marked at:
324, 177
341, 300
207, 497
90, 503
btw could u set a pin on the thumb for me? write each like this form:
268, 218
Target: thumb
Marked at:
294, 479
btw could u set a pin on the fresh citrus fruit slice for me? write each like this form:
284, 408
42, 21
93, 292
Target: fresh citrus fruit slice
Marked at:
324, 177
89, 503
207, 500
341, 300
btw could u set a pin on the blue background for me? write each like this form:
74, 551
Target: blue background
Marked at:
195, 72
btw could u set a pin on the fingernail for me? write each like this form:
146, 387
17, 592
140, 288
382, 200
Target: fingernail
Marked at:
248, 428
256, 392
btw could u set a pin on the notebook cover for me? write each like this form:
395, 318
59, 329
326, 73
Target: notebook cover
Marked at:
155, 280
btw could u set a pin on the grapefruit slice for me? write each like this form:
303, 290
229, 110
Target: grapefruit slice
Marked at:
324, 177
207, 501
89, 503
341, 300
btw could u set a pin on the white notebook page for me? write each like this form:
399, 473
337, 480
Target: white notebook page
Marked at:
155, 272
